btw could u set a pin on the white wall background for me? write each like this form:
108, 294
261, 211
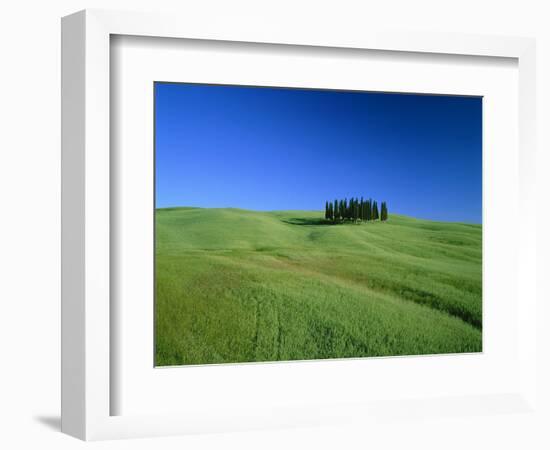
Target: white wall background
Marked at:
30, 199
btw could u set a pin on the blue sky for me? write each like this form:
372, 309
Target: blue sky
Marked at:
275, 148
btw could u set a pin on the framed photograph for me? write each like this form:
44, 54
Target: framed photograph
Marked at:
267, 228
254, 264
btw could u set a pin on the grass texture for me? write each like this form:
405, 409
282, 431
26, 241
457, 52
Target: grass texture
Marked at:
239, 286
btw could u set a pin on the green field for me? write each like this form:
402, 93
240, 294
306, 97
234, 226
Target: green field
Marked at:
234, 286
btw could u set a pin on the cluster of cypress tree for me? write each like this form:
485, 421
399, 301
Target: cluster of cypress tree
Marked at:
355, 209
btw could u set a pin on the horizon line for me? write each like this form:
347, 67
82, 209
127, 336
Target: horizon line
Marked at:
311, 210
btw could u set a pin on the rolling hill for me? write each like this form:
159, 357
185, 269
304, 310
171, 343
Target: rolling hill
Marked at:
235, 285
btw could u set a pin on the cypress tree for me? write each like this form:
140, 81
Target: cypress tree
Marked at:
330, 211
384, 213
375, 211
369, 209
346, 209
362, 209
326, 209
336, 210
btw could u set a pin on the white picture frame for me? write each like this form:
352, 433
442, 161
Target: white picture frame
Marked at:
87, 386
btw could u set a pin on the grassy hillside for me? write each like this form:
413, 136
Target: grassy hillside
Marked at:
235, 285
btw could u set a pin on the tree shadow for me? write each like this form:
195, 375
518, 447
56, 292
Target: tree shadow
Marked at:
309, 221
